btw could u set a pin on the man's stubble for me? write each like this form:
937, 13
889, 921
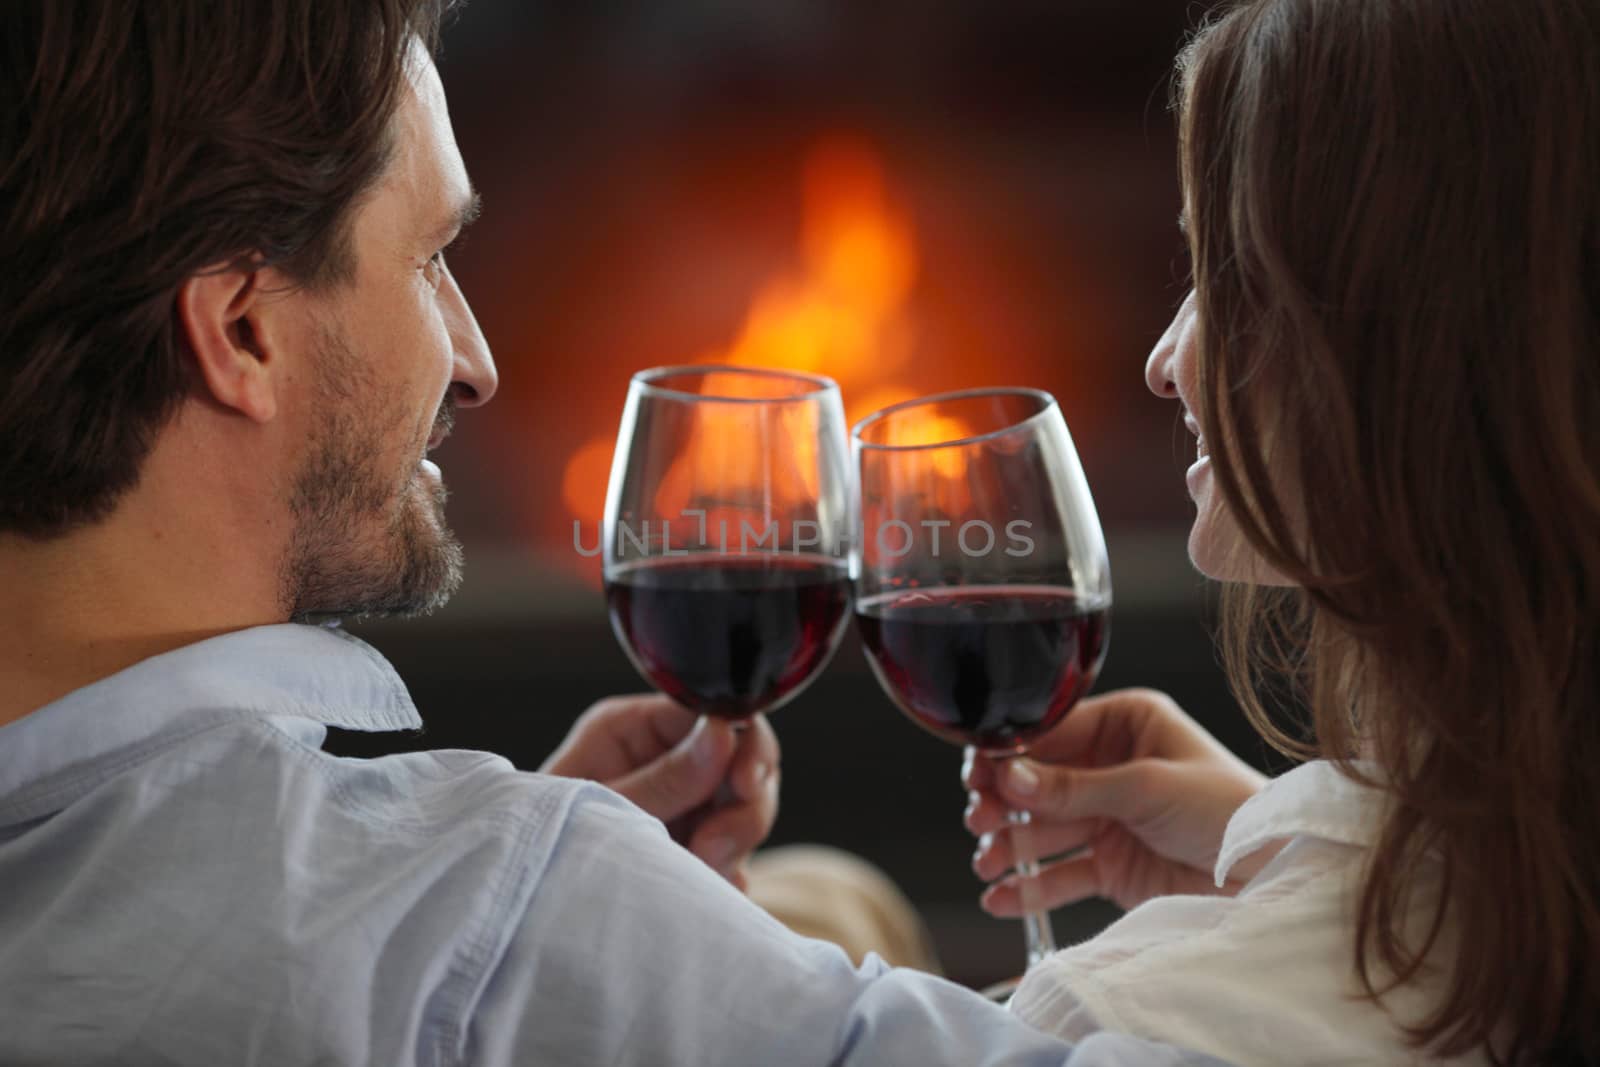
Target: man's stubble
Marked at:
367, 542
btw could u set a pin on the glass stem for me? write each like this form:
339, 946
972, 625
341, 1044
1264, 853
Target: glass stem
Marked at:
1040, 938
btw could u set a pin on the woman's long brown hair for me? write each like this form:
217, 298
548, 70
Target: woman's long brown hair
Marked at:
1394, 215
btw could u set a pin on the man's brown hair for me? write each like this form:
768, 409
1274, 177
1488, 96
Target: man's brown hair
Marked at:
142, 142
1394, 211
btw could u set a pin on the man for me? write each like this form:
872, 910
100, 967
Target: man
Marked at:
229, 337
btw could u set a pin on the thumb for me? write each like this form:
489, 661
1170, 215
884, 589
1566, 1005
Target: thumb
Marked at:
1114, 792
684, 777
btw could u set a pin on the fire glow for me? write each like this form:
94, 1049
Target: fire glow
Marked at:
842, 312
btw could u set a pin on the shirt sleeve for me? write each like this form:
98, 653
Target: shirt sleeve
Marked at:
631, 951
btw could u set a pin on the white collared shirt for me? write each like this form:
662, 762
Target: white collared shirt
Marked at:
1262, 979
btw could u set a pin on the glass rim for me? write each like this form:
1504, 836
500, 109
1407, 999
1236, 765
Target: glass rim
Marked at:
1047, 404
645, 382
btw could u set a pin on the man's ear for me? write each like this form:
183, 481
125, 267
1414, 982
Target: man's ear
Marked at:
221, 313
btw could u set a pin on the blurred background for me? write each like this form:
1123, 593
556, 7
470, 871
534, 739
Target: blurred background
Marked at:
908, 196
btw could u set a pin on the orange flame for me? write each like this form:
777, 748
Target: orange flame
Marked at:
841, 314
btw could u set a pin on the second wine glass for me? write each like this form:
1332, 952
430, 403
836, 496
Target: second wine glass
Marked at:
725, 563
983, 591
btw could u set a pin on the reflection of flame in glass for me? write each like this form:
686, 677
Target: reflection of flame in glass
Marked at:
920, 483
840, 315
919, 426
742, 462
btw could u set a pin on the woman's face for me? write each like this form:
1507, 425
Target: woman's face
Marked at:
1216, 545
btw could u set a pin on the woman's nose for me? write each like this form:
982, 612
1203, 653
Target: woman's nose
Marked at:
1160, 372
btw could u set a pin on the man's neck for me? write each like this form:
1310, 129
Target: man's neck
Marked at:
45, 673
86, 605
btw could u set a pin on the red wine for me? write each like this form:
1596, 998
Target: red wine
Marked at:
991, 666
730, 635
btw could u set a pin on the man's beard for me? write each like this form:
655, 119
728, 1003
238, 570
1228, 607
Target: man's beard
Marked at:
363, 545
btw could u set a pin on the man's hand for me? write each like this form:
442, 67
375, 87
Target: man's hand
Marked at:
1132, 781
715, 787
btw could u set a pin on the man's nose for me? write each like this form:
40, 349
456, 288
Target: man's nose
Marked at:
474, 378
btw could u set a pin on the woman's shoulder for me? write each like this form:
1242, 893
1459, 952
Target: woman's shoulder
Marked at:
1242, 977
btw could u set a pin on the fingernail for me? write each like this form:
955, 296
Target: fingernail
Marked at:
973, 800
1024, 779
761, 770
719, 851
703, 745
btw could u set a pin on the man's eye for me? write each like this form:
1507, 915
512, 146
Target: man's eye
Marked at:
435, 265
433, 269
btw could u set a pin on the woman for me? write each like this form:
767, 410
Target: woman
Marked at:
1392, 361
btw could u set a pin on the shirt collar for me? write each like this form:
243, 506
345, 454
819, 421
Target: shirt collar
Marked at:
305, 677
1314, 800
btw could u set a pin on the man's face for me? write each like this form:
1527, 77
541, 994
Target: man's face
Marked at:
396, 350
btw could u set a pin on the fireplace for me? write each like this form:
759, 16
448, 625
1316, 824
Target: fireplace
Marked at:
921, 198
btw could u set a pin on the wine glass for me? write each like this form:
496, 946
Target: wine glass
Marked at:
726, 565
983, 590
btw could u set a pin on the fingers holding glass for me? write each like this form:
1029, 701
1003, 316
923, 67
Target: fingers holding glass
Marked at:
982, 585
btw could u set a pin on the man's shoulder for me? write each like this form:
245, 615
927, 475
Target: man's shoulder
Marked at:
292, 833
262, 773
242, 874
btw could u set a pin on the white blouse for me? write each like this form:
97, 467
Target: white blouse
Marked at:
1266, 977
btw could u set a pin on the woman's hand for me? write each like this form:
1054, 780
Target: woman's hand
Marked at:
1131, 780
715, 787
